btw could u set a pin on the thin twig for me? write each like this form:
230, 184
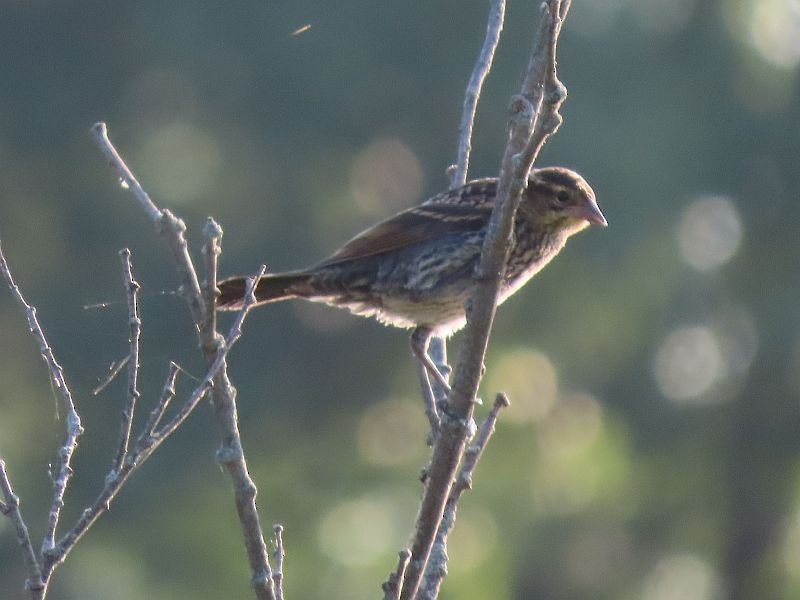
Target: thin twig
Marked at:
63, 471
209, 380
145, 445
223, 395
482, 67
126, 178
167, 394
541, 92
231, 456
169, 226
278, 555
211, 251
437, 563
393, 586
135, 324
459, 171
113, 371
10, 508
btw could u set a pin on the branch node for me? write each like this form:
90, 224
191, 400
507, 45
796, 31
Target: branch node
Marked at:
228, 454
212, 229
521, 111
261, 578
394, 585
501, 400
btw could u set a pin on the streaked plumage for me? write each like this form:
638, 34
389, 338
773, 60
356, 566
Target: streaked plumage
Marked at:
416, 269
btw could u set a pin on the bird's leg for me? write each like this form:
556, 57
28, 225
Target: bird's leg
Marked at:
437, 351
420, 339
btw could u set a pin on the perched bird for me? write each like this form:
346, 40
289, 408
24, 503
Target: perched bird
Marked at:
417, 268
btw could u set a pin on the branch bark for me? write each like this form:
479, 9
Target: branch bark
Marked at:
10, 507
534, 117
63, 471
202, 307
436, 569
147, 442
135, 323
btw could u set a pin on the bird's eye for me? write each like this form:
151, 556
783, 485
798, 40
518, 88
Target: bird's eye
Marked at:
562, 197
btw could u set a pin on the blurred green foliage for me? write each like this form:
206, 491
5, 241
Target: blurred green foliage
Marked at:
652, 447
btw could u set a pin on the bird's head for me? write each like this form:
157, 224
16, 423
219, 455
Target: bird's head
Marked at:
560, 198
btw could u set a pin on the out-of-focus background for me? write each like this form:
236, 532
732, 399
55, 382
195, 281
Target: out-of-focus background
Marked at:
651, 449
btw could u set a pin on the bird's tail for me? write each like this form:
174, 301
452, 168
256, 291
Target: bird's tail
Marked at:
271, 288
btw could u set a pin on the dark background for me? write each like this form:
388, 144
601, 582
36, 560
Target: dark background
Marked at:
651, 450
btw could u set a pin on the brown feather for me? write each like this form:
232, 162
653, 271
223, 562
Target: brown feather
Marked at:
413, 226
271, 288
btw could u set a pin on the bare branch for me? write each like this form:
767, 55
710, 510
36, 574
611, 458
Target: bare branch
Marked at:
458, 172
63, 471
209, 381
278, 555
113, 371
231, 456
211, 251
168, 225
223, 393
126, 178
135, 324
437, 563
541, 93
393, 586
10, 508
168, 393
146, 444
482, 67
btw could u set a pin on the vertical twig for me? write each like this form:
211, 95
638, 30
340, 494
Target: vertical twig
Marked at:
394, 585
146, 444
167, 394
459, 171
135, 324
211, 251
436, 568
10, 508
277, 572
541, 93
482, 67
223, 395
63, 471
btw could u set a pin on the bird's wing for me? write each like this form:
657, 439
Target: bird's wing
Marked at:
413, 226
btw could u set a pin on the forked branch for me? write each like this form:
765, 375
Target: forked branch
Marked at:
534, 117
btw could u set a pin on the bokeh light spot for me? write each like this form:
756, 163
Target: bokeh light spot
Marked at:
573, 425
683, 577
472, 540
774, 31
529, 379
738, 338
390, 433
688, 363
709, 232
179, 162
356, 532
385, 176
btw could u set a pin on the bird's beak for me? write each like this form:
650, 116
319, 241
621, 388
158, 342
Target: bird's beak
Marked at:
591, 213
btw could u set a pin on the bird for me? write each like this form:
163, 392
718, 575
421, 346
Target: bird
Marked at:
417, 268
